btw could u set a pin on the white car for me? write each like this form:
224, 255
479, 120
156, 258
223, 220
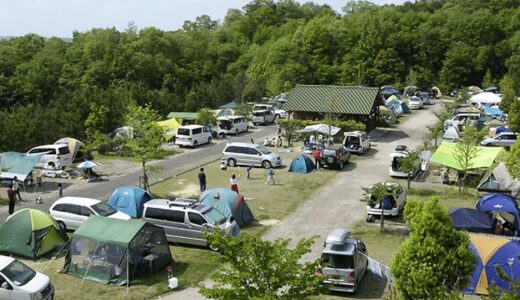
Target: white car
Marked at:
71, 212
395, 210
192, 136
20, 282
55, 156
415, 102
280, 113
232, 125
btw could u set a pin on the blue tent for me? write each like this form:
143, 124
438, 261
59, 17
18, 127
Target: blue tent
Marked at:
501, 203
501, 129
130, 200
405, 108
302, 164
492, 111
472, 220
229, 204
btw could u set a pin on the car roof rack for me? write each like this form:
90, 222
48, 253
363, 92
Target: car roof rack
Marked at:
182, 202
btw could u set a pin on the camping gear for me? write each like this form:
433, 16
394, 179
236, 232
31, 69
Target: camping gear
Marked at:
17, 164
169, 127
31, 233
451, 134
394, 102
472, 220
116, 251
130, 200
302, 164
320, 128
492, 252
74, 146
498, 180
229, 203
484, 158
88, 164
504, 205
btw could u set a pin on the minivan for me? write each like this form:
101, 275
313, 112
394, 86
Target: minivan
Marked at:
232, 124
264, 117
250, 154
185, 220
55, 156
20, 282
192, 135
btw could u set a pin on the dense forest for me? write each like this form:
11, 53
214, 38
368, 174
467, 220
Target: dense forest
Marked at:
50, 88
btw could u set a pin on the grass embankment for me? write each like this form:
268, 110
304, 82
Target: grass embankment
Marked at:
3, 201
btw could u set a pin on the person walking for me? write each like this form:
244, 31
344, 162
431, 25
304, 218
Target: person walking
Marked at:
16, 188
11, 198
234, 183
270, 176
248, 170
316, 153
202, 180
60, 190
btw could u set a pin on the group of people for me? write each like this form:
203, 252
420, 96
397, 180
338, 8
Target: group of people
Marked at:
233, 181
274, 142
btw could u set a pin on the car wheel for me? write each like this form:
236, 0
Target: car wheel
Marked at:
266, 164
341, 165
209, 140
195, 144
236, 131
51, 165
247, 128
370, 219
62, 225
232, 162
277, 116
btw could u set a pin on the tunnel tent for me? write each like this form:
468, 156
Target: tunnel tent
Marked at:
437, 92
302, 164
31, 233
229, 203
129, 200
113, 251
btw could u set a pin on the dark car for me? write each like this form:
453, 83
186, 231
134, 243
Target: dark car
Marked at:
335, 156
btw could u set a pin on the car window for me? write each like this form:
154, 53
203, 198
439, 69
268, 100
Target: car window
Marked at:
183, 131
85, 211
259, 114
197, 131
263, 149
59, 207
214, 216
71, 208
196, 219
64, 150
338, 261
18, 273
103, 209
164, 214
232, 149
252, 151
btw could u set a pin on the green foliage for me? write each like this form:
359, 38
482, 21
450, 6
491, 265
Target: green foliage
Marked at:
254, 268
205, 116
435, 259
512, 293
466, 150
409, 164
244, 109
514, 116
513, 160
377, 192
507, 88
289, 126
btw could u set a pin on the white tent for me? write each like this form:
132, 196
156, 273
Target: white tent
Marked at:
320, 128
485, 98
451, 134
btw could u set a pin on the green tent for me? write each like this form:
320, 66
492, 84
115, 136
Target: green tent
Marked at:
31, 233
115, 251
182, 117
484, 158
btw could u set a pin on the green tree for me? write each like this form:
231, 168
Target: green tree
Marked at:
205, 116
434, 132
513, 160
409, 164
487, 81
514, 116
289, 126
496, 293
376, 193
507, 88
254, 268
465, 152
435, 260
147, 135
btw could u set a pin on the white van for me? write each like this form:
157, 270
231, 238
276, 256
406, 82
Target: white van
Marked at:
20, 282
232, 124
55, 156
192, 135
264, 117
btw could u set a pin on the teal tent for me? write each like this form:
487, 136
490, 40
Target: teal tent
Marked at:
130, 200
302, 164
17, 164
229, 203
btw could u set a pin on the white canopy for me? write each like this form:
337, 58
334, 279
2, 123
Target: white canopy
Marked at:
320, 128
485, 98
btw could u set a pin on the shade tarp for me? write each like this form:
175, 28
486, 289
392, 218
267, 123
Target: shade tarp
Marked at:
17, 164
492, 111
320, 128
499, 180
302, 164
230, 105
229, 204
120, 232
129, 200
472, 220
485, 97
445, 155
180, 116
492, 252
169, 127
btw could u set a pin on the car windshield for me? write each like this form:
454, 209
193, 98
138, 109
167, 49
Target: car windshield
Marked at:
183, 131
103, 209
338, 261
18, 273
215, 216
263, 149
259, 114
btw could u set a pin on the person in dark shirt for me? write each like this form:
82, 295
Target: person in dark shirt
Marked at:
202, 180
11, 198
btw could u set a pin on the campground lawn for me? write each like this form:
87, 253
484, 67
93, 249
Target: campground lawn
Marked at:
3, 201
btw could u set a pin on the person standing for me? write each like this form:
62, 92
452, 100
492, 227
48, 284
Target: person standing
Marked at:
316, 153
202, 180
60, 190
270, 176
248, 170
234, 183
16, 188
11, 198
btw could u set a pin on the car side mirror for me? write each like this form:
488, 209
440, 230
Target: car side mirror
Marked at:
205, 225
6, 286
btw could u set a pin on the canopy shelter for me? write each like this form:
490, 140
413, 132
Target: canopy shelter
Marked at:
472, 220
130, 200
88, 164
445, 155
504, 205
492, 252
169, 128
116, 251
17, 164
320, 128
485, 98
499, 180
229, 203
225, 112
31, 233
183, 117
74, 146
230, 105
302, 164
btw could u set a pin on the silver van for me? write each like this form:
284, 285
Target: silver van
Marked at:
250, 154
264, 117
185, 220
55, 156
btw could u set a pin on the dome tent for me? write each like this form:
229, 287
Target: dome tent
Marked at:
302, 164
130, 200
31, 233
503, 204
229, 203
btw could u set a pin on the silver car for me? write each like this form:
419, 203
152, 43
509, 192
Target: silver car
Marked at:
185, 220
250, 154
503, 139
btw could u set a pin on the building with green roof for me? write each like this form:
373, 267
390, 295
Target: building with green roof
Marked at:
310, 102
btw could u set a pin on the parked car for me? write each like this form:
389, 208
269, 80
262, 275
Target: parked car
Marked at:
346, 261
357, 141
192, 136
399, 201
232, 125
400, 152
503, 139
185, 220
55, 156
462, 119
19, 282
280, 113
425, 96
71, 212
250, 154
335, 156
415, 102
264, 117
